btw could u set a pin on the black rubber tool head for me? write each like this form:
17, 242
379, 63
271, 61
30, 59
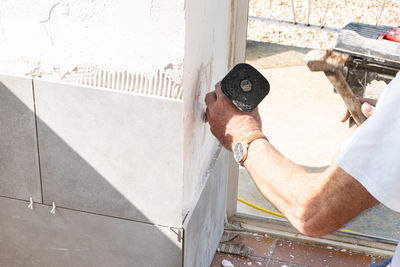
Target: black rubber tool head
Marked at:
245, 86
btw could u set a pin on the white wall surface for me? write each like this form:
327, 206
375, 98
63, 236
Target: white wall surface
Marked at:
133, 35
207, 57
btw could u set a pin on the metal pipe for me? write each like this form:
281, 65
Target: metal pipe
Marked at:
308, 12
293, 11
378, 18
299, 24
326, 11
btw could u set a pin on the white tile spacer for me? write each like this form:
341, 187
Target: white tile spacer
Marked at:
53, 209
30, 206
169, 229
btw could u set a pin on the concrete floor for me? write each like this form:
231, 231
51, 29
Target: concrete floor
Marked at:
301, 119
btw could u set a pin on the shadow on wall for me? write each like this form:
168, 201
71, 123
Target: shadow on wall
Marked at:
77, 234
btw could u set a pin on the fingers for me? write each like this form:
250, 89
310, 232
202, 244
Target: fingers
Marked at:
351, 122
345, 116
369, 101
206, 115
218, 90
367, 109
210, 98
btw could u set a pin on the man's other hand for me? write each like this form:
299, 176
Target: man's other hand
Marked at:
367, 108
227, 123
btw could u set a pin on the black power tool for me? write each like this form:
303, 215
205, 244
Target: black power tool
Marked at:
245, 86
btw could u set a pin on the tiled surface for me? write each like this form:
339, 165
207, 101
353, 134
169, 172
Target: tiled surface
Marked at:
19, 163
97, 148
260, 244
316, 256
205, 225
280, 264
271, 252
236, 260
38, 238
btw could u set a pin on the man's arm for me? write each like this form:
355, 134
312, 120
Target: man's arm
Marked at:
315, 203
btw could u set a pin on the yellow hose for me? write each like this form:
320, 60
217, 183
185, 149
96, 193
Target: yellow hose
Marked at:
261, 209
280, 215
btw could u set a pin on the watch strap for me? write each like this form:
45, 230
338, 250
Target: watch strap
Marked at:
247, 140
252, 136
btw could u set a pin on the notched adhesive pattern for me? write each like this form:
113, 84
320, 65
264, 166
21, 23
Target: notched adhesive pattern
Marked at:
160, 84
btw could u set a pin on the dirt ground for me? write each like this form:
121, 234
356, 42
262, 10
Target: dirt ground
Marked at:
267, 55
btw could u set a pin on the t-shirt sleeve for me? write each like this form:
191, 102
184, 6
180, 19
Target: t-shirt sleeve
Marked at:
372, 155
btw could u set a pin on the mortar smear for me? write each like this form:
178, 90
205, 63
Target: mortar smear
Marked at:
160, 84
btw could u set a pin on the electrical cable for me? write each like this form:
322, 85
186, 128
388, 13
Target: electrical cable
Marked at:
280, 215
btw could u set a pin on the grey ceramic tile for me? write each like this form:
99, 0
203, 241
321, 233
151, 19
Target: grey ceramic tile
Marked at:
19, 166
67, 238
205, 224
110, 152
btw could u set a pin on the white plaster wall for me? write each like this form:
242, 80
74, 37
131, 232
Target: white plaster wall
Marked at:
133, 35
207, 57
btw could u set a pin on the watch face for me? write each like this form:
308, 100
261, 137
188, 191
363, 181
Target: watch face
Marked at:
238, 151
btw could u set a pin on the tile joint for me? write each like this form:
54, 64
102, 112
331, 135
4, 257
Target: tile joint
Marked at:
37, 141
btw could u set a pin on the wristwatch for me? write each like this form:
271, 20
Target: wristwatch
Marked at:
241, 147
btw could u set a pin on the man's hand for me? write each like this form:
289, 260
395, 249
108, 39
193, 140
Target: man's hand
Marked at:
228, 124
367, 108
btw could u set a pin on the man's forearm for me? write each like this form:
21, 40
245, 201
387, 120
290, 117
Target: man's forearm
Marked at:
315, 203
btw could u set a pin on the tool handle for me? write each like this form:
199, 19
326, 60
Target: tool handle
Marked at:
352, 103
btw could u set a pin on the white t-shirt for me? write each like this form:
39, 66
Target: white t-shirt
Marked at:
372, 155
